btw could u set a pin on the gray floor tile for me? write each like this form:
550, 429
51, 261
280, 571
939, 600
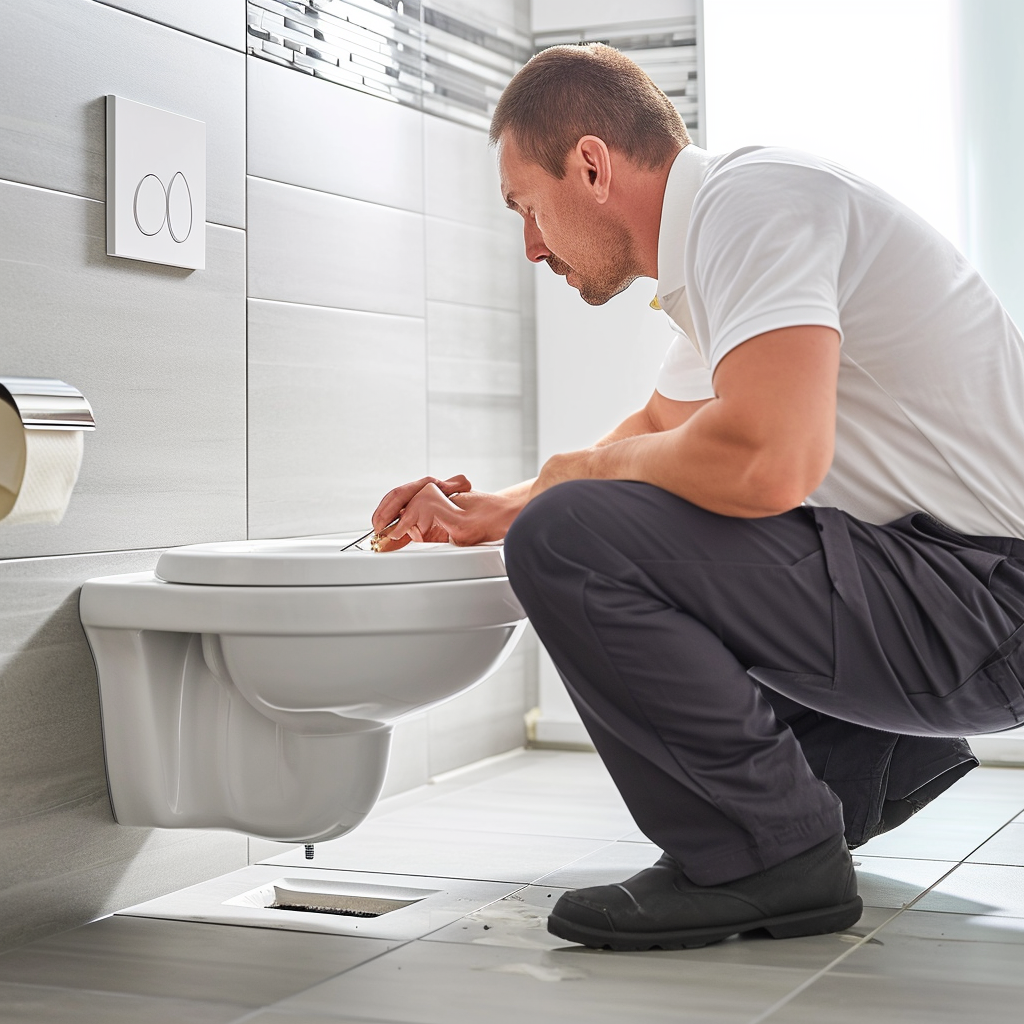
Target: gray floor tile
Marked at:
387, 846
531, 811
893, 882
1005, 847
979, 889
853, 999
275, 1016
612, 863
557, 796
456, 983
937, 947
635, 837
937, 838
520, 922
246, 967
36, 1004
954, 928
986, 784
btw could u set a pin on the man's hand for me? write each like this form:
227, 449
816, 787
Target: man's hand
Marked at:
437, 511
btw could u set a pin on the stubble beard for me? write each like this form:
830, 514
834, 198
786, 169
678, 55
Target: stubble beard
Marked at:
619, 269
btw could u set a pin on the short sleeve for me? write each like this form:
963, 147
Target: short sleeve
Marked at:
682, 376
769, 240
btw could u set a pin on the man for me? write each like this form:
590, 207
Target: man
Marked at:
779, 592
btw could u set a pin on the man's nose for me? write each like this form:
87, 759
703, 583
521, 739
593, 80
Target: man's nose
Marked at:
536, 250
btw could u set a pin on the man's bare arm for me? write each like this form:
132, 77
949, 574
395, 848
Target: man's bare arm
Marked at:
758, 448
660, 413
433, 509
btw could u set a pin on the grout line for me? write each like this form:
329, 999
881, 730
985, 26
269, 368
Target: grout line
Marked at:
337, 309
336, 195
828, 967
473, 766
399, 944
174, 28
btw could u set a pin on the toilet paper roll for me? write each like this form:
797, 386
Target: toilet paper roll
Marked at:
38, 470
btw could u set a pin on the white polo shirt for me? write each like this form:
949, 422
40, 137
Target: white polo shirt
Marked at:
931, 379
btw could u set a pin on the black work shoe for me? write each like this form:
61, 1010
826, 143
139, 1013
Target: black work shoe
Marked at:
809, 894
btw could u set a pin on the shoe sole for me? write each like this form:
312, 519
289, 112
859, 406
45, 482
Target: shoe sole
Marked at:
789, 926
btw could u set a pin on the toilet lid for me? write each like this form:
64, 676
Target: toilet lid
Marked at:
319, 562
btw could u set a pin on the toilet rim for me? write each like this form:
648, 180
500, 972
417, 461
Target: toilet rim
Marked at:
141, 601
320, 562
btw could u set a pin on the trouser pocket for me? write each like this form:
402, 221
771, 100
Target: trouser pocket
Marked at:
991, 699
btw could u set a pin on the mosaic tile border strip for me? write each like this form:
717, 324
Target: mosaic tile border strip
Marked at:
419, 55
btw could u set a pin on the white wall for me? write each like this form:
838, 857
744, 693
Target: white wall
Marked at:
554, 15
867, 83
991, 112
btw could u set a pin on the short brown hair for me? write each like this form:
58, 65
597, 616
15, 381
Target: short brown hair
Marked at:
568, 91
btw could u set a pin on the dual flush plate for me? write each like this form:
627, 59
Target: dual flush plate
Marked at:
156, 185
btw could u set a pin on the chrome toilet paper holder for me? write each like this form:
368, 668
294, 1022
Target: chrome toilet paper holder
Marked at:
47, 404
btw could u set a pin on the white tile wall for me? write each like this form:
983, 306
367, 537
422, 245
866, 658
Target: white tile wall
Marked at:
474, 350
305, 131
323, 250
500, 12
64, 860
337, 403
472, 265
59, 58
160, 354
219, 21
479, 435
485, 721
462, 176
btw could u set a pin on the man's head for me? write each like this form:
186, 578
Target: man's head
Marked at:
583, 133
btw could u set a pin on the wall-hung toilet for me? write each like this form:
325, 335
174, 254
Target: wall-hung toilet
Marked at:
254, 685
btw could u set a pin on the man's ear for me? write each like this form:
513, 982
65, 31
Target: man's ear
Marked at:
593, 163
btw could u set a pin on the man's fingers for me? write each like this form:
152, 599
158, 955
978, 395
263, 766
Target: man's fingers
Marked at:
454, 485
396, 500
428, 517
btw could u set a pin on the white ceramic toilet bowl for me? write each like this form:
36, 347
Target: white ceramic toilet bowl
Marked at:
254, 685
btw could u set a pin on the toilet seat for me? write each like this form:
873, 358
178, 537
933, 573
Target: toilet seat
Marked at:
320, 562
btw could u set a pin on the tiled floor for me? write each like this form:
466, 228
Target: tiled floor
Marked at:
941, 940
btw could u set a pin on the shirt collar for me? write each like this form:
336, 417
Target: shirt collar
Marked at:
684, 179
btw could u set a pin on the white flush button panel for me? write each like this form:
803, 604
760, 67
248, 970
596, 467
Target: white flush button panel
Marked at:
156, 185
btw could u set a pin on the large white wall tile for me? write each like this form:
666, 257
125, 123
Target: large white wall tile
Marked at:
485, 721
461, 176
220, 21
409, 764
60, 58
305, 131
508, 13
473, 350
160, 354
337, 415
472, 265
323, 250
479, 435
65, 861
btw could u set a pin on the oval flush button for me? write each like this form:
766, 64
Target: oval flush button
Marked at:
179, 208
150, 206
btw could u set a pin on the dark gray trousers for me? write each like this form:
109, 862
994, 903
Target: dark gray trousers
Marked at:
725, 667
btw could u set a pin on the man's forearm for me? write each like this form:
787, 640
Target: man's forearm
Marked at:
632, 426
519, 493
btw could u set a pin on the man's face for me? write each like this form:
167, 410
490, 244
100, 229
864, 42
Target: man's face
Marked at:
565, 226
